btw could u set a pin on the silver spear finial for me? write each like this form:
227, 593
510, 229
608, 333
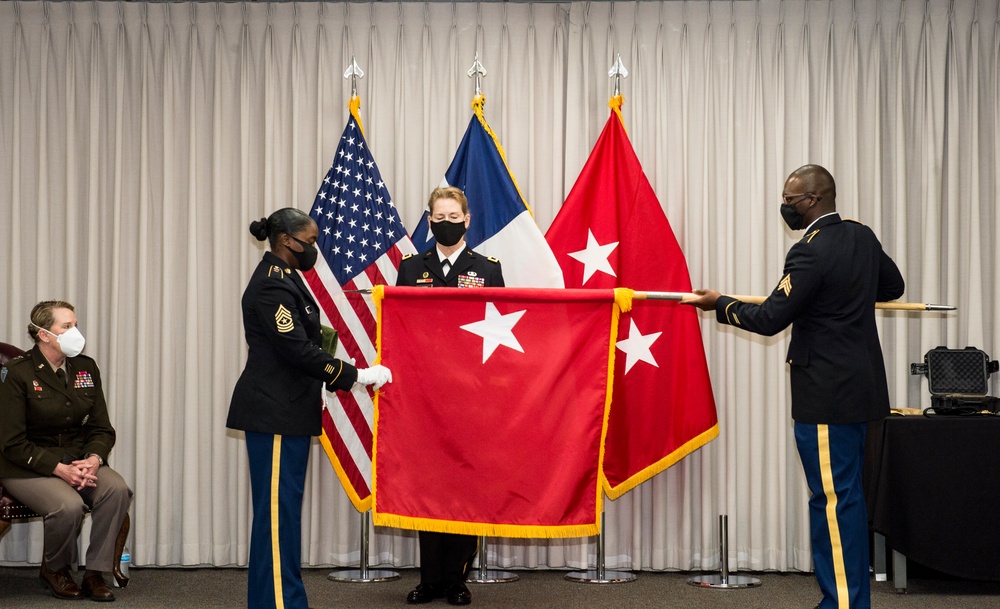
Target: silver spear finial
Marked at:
477, 71
354, 72
619, 72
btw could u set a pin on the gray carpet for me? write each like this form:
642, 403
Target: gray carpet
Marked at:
218, 588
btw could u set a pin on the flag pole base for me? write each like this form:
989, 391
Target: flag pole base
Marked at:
724, 580
482, 575
595, 577
357, 576
717, 581
363, 575
492, 576
601, 575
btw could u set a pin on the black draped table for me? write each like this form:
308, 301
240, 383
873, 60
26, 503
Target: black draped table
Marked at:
933, 492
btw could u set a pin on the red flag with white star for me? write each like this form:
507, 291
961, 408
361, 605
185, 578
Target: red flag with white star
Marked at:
494, 420
612, 232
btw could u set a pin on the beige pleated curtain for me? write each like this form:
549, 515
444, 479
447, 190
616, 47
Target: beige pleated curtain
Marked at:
137, 142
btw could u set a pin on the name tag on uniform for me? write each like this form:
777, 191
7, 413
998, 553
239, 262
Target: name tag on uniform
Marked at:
471, 281
426, 280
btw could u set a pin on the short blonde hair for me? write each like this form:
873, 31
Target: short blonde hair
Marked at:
448, 192
42, 316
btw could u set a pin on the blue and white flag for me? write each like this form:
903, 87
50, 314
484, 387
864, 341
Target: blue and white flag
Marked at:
502, 225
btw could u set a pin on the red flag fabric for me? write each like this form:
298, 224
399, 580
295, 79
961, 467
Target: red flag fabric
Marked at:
610, 232
361, 241
494, 421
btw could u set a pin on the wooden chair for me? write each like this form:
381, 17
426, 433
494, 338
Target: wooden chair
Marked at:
11, 509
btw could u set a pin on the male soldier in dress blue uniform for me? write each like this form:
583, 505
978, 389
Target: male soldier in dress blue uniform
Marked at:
832, 279
445, 558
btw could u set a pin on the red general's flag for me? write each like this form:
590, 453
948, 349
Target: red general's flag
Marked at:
611, 232
494, 421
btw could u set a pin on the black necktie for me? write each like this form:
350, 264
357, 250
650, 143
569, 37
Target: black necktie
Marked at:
445, 267
62, 376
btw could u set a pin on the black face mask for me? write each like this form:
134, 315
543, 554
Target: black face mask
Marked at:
791, 216
448, 233
307, 257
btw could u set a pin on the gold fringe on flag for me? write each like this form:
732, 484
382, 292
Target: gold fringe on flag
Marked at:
483, 528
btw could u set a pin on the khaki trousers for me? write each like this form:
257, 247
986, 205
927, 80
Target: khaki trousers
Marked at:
63, 508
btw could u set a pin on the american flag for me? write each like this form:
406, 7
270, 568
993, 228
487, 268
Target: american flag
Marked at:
361, 241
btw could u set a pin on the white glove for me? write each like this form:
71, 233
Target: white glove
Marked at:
376, 375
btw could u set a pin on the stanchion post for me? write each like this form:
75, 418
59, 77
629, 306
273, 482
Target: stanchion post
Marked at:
364, 575
601, 575
482, 575
724, 580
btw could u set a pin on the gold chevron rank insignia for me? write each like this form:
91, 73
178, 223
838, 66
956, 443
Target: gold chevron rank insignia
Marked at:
786, 285
283, 319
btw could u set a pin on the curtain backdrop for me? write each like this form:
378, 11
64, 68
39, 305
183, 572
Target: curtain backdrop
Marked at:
137, 142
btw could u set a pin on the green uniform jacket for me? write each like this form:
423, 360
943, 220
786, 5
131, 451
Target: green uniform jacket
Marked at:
43, 422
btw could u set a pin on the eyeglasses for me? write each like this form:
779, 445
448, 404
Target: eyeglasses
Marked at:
796, 199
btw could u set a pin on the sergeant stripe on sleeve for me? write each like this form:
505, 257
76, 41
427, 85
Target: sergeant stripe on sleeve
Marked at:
283, 319
786, 285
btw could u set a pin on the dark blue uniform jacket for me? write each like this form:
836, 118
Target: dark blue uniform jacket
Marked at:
279, 391
833, 277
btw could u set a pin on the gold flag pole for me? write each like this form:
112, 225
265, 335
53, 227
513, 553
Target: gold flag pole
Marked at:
891, 306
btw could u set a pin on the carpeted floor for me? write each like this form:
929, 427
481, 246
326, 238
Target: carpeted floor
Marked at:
226, 588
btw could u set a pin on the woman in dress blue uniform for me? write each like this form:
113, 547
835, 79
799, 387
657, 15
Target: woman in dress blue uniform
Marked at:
277, 402
445, 558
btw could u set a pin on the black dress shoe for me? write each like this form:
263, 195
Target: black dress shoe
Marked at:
423, 593
458, 594
60, 583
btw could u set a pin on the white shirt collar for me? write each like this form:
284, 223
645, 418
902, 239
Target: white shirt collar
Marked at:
451, 259
818, 219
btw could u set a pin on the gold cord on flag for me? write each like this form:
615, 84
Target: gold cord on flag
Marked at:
615, 103
478, 103
623, 298
354, 104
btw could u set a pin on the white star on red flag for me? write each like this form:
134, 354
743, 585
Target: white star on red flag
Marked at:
595, 257
496, 329
637, 347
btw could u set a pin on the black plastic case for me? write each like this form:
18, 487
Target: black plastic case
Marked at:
958, 379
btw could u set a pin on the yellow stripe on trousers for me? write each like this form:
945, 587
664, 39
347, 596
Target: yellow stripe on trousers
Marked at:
279, 597
826, 471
